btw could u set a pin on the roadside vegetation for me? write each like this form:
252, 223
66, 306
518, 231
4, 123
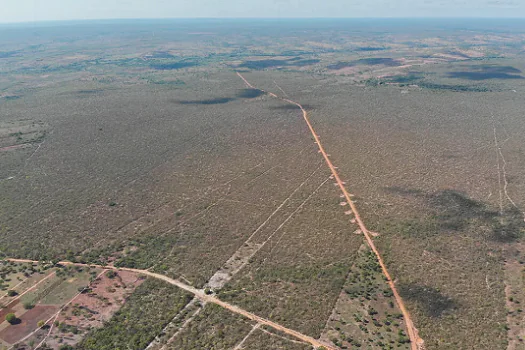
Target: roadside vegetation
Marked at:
153, 304
153, 154
213, 328
366, 314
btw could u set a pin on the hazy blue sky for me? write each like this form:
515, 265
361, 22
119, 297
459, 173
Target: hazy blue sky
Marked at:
40, 10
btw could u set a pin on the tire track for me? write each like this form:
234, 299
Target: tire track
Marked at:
416, 343
502, 173
241, 344
498, 152
200, 294
248, 249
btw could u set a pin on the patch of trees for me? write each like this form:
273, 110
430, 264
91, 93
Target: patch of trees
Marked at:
148, 310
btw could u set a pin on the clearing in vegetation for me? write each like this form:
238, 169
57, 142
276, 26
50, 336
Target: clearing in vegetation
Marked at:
416, 341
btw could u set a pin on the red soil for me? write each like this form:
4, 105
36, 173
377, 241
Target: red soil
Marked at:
29, 319
8, 309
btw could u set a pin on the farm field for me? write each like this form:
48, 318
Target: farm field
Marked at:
164, 201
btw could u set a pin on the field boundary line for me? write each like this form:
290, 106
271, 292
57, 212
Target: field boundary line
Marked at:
55, 315
64, 306
416, 343
200, 294
13, 288
32, 287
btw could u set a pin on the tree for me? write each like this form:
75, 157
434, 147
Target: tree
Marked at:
11, 318
11, 293
41, 323
28, 305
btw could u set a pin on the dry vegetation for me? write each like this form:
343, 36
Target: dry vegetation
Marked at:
365, 314
152, 154
134, 326
214, 328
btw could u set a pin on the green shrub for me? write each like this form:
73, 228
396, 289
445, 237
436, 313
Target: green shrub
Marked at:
11, 318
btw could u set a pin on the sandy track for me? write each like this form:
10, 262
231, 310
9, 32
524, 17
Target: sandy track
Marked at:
204, 297
416, 342
502, 173
9, 148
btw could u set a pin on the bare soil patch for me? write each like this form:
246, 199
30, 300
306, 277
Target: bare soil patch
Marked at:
8, 309
90, 310
28, 323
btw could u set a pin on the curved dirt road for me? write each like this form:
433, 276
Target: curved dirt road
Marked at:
416, 343
204, 297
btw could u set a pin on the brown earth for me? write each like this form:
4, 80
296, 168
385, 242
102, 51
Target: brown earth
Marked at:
416, 341
92, 309
29, 321
200, 294
8, 309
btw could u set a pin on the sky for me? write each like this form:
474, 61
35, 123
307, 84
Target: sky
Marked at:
46, 10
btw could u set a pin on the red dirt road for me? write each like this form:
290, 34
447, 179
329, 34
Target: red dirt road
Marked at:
416, 342
206, 298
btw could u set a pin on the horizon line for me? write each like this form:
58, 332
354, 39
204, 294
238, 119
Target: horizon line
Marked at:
49, 21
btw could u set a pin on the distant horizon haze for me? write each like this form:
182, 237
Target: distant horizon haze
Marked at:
23, 11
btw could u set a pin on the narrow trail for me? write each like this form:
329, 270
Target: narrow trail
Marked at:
204, 297
62, 309
416, 343
184, 325
499, 168
248, 249
502, 173
300, 207
157, 210
8, 148
50, 319
284, 93
241, 343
